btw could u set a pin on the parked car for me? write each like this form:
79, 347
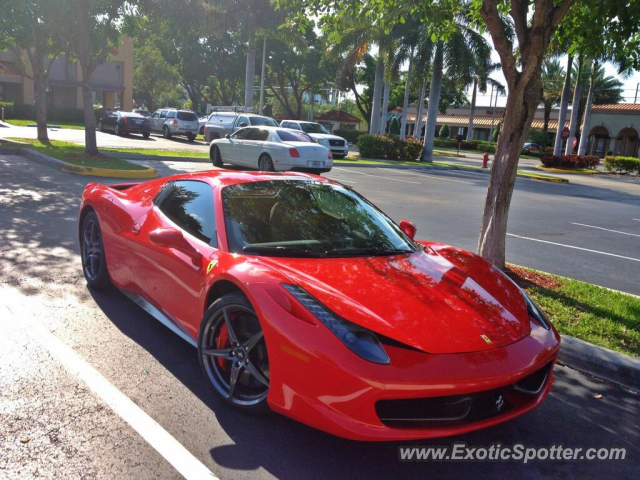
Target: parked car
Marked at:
303, 298
171, 121
220, 124
144, 113
271, 149
202, 121
124, 123
324, 137
532, 147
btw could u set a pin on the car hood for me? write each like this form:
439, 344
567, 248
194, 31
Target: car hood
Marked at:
442, 300
325, 135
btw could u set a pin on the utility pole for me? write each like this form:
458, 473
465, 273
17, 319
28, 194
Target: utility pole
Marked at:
636, 97
264, 61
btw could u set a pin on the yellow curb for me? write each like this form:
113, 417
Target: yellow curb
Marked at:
582, 171
148, 172
544, 179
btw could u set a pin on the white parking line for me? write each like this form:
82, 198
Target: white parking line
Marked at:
156, 436
575, 248
605, 229
428, 175
377, 176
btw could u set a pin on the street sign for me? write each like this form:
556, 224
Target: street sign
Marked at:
565, 133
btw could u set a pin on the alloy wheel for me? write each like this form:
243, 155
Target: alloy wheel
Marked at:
91, 249
234, 355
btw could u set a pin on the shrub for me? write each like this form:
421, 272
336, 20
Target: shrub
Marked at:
8, 109
454, 144
622, 164
570, 161
388, 147
444, 131
394, 126
350, 136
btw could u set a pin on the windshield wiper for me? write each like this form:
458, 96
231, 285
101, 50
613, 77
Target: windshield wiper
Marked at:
282, 250
367, 251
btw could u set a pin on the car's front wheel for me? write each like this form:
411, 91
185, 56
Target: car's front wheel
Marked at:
145, 135
216, 158
118, 130
233, 353
265, 164
94, 263
166, 133
191, 137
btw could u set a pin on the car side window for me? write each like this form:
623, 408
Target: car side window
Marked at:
242, 133
163, 114
295, 126
171, 114
189, 204
156, 114
241, 120
257, 134
286, 125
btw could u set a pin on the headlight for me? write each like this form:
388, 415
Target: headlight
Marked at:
360, 341
535, 312
323, 141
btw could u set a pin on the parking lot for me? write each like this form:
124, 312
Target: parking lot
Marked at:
80, 371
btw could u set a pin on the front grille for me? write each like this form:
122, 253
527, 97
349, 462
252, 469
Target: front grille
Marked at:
433, 412
336, 143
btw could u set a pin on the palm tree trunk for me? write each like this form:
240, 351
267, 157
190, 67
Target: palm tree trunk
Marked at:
417, 131
250, 70
385, 107
575, 107
434, 102
472, 111
405, 103
374, 124
564, 106
584, 132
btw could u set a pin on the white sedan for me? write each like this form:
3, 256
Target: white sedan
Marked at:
271, 149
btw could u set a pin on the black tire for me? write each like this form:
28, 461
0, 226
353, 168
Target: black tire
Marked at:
191, 137
265, 164
101, 126
117, 130
166, 133
338, 155
240, 350
216, 158
94, 263
145, 135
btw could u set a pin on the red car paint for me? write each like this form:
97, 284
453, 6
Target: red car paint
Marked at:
434, 306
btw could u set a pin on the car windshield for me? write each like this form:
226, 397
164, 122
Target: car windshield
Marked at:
187, 116
303, 218
313, 128
266, 121
293, 136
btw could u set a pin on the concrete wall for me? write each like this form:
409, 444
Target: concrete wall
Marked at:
615, 122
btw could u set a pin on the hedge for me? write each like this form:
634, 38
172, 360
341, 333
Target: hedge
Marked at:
350, 136
437, 142
389, 148
28, 112
8, 109
622, 164
570, 161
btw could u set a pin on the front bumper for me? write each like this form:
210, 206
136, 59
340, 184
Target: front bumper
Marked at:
316, 380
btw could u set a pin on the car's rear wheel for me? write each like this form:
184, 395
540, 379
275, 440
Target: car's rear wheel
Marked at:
94, 264
216, 158
265, 164
145, 135
233, 353
165, 132
191, 137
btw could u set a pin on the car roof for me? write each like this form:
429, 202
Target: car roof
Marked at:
225, 178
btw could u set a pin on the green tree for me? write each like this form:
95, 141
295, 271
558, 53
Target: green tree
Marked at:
29, 28
444, 131
154, 79
394, 126
553, 76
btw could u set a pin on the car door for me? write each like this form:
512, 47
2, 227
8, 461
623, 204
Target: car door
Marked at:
234, 147
172, 278
153, 122
252, 146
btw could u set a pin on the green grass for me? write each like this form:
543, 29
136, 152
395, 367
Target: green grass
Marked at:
588, 312
159, 153
74, 154
25, 123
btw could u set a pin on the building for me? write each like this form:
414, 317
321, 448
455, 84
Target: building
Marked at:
112, 81
613, 128
337, 120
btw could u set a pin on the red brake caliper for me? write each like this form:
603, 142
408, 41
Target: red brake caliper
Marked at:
223, 342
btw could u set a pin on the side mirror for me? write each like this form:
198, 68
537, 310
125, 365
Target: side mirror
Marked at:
244, 124
227, 136
408, 228
173, 238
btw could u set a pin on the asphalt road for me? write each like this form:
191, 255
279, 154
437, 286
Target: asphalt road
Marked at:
79, 370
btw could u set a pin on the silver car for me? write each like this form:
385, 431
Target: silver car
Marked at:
171, 121
220, 124
336, 144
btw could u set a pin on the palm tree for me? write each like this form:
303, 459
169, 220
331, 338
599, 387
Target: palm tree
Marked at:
457, 54
575, 105
482, 68
553, 76
564, 106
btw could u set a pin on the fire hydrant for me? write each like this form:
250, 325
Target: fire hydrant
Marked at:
485, 160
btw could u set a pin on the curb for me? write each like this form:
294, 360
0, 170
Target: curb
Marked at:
568, 172
600, 362
166, 158
38, 157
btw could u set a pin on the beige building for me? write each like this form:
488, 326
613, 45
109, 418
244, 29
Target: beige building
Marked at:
613, 128
112, 81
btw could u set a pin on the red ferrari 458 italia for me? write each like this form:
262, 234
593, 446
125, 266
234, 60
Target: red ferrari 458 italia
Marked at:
303, 298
